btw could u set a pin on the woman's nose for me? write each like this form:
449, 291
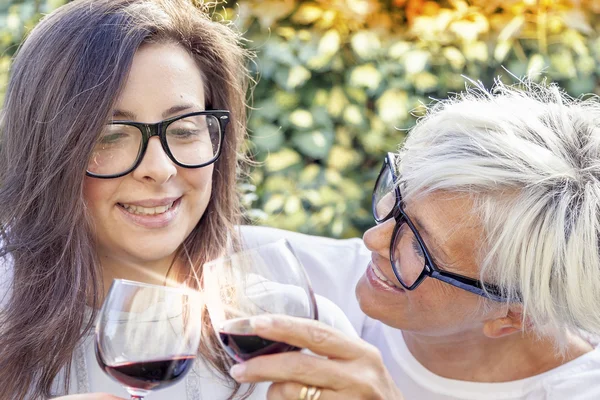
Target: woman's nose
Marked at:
377, 239
156, 166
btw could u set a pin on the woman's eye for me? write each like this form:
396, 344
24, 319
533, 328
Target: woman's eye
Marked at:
112, 138
417, 248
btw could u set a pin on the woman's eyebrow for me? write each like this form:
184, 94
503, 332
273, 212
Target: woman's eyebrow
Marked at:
128, 115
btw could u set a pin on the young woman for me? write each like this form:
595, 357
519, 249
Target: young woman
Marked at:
484, 278
120, 141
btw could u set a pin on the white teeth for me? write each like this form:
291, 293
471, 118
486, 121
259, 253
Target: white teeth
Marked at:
382, 277
146, 210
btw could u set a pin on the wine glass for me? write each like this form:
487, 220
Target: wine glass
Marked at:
265, 280
147, 336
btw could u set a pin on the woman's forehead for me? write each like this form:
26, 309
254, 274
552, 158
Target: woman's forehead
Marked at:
448, 226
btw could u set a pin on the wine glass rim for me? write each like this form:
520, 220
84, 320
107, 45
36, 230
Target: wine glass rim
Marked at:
185, 289
243, 250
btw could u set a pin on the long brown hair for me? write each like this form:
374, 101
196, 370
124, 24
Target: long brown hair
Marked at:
64, 82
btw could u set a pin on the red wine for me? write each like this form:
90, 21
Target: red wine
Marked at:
242, 346
149, 375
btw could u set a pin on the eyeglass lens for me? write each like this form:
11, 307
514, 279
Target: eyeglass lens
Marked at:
407, 255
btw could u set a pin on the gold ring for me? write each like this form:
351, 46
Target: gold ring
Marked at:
303, 392
314, 395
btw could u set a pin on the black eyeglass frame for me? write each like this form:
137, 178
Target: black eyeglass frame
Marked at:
160, 129
475, 286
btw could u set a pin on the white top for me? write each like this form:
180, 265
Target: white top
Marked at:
578, 379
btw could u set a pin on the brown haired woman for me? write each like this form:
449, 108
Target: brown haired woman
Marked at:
89, 195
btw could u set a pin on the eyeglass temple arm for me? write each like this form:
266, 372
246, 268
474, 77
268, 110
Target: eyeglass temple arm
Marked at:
471, 285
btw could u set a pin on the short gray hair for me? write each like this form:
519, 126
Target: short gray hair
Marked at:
529, 157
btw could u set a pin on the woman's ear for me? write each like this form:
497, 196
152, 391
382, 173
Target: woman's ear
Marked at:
505, 325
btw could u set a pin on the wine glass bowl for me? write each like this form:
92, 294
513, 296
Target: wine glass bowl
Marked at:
268, 279
147, 336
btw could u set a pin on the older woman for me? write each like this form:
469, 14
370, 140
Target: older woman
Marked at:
484, 280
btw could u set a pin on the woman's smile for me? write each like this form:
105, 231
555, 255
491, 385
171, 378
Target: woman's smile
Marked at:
151, 213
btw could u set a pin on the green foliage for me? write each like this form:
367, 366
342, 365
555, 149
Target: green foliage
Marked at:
340, 82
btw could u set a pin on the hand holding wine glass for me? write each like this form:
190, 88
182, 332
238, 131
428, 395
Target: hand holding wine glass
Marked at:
265, 280
349, 368
147, 336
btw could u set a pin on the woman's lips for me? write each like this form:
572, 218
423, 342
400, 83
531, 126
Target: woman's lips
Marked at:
153, 214
373, 276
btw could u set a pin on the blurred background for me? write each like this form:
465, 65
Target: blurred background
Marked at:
340, 81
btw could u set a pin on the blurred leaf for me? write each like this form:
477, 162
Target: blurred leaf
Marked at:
563, 65
576, 19
307, 14
337, 101
282, 159
536, 65
310, 173
425, 82
342, 158
392, 106
454, 57
315, 144
292, 205
416, 61
399, 49
268, 138
329, 43
285, 100
366, 44
512, 30
301, 118
353, 115
270, 11
476, 51
501, 50
274, 204
297, 76
366, 76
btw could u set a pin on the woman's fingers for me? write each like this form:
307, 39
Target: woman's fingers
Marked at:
292, 391
313, 335
292, 367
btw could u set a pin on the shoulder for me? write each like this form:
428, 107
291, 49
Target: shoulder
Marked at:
257, 235
339, 255
334, 266
576, 380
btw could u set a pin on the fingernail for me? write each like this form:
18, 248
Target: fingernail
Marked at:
261, 322
237, 371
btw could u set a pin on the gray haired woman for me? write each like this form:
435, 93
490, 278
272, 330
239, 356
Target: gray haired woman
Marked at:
484, 280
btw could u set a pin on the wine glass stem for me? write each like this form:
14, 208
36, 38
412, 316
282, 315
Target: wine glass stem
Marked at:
134, 397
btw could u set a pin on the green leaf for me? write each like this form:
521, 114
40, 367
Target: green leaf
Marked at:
314, 144
268, 137
301, 118
297, 76
366, 44
281, 160
392, 106
416, 61
366, 76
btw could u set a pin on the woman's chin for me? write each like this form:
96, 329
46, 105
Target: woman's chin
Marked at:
383, 306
